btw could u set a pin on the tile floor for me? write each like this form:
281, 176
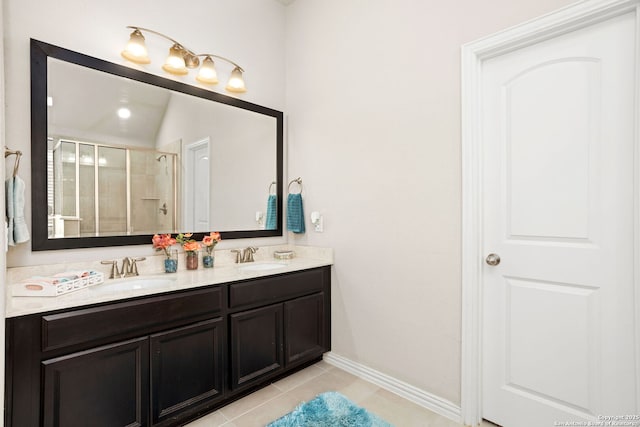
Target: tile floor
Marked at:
279, 398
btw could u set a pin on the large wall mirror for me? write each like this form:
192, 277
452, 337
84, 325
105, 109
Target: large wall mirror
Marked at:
118, 155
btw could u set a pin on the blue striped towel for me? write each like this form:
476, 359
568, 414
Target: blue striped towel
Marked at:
272, 212
295, 213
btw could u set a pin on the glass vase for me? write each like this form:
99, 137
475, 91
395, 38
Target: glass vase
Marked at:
192, 260
207, 260
171, 262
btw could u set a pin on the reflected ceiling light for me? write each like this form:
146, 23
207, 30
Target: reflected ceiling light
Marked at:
181, 59
124, 113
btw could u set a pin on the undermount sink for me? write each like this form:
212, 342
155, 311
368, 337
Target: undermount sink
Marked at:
134, 284
261, 266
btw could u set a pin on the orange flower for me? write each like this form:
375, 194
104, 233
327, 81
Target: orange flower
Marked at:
212, 239
163, 242
191, 246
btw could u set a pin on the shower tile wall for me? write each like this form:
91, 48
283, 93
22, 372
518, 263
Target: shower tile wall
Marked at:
151, 189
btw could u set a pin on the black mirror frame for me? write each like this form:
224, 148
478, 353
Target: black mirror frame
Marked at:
40, 51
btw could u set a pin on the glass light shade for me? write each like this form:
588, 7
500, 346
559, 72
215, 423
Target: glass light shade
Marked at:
207, 73
236, 83
175, 61
136, 50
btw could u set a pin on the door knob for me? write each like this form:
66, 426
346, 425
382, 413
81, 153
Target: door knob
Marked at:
493, 259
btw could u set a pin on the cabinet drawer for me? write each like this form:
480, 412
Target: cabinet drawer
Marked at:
276, 288
126, 318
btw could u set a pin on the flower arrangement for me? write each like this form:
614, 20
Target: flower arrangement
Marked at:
211, 241
188, 244
162, 242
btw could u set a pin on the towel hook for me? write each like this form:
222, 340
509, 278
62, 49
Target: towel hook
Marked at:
298, 181
271, 186
18, 154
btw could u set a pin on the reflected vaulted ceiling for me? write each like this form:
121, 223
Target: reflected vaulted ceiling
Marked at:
146, 103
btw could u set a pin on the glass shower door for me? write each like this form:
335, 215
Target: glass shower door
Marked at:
112, 191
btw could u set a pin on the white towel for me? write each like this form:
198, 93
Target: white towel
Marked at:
8, 191
20, 230
17, 228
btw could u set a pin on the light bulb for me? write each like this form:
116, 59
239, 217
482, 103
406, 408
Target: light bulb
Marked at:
175, 61
236, 83
136, 50
207, 73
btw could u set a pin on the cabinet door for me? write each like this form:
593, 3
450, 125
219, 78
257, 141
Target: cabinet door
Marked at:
256, 344
106, 386
304, 328
186, 370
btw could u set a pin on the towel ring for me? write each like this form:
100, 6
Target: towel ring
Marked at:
298, 181
18, 154
271, 186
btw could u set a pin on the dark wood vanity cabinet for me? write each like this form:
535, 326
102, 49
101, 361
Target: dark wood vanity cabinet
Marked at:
163, 360
107, 385
304, 328
186, 370
291, 330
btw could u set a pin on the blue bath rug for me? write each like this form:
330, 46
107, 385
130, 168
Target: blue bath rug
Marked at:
329, 409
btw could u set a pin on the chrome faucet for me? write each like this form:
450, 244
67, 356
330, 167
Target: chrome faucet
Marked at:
247, 255
244, 255
126, 267
129, 267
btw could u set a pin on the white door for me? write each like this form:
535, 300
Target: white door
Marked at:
558, 127
197, 186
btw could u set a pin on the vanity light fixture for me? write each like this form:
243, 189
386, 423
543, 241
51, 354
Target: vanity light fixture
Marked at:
181, 59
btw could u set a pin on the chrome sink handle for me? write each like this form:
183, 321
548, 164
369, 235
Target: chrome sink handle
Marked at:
238, 256
134, 265
114, 268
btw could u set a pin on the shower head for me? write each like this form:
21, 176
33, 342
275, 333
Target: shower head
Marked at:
163, 156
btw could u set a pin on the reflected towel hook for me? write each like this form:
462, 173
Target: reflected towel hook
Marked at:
298, 181
18, 154
271, 186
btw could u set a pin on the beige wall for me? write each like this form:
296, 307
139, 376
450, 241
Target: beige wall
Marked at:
373, 97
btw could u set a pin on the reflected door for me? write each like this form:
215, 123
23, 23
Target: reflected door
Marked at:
558, 124
197, 186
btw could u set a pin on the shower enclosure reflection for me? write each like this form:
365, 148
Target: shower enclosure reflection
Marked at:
91, 190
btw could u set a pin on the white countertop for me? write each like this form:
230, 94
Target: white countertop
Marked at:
117, 289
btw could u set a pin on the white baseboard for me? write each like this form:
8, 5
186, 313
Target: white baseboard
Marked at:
420, 397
